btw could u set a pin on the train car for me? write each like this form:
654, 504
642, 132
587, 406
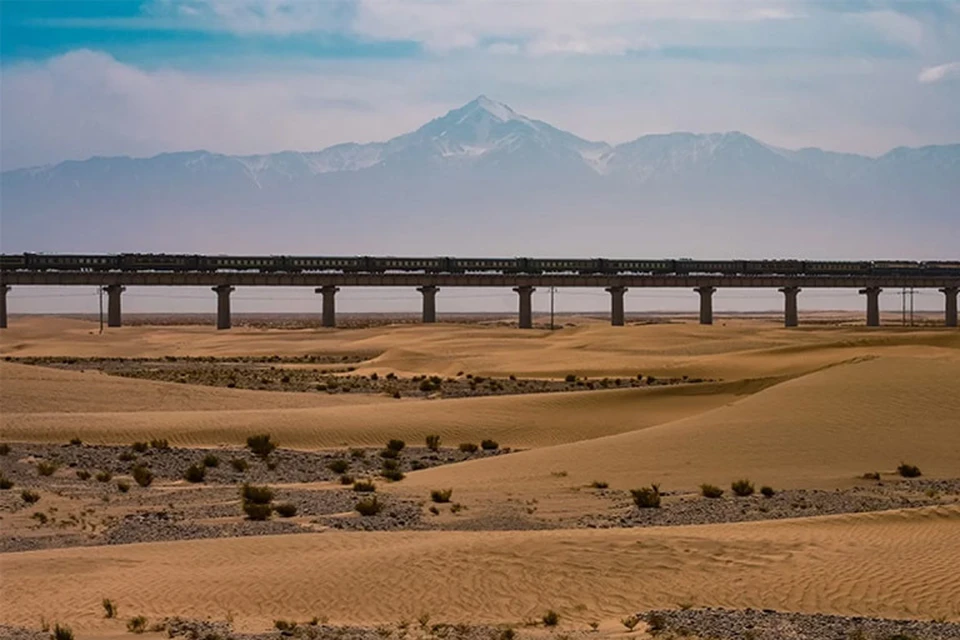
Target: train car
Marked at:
772, 267
42, 262
940, 268
426, 265
483, 265
560, 265
13, 261
712, 267
836, 268
895, 268
158, 262
307, 263
639, 266
240, 263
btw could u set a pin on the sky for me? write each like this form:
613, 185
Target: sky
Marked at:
142, 77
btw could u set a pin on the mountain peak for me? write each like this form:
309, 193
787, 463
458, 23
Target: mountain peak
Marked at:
484, 107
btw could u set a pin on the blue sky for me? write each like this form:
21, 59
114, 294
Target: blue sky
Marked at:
252, 76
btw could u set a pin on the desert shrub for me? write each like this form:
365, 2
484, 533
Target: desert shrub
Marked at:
468, 447
142, 475
123, 486
261, 444
426, 386
456, 507
710, 491
5, 482
4, 449
104, 476
271, 465
390, 454
239, 465
127, 456
211, 461
30, 497
364, 486
630, 622
416, 465
160, 443
551, 618
391, 465
76, 442
338, 466
62, 633
109, 608
358, 453
393, 475
656, 623
742, 487
286, 510
256, 511
570, 378
285, 625
871, 475
489, 445
441, 495
646, 497
83, 474
45, 468
433, 442
255, 494
767, 491
396, 445
599, 484
433, 509
908, 470
369, 506
346, 479
137, 624
195, 473
140, 447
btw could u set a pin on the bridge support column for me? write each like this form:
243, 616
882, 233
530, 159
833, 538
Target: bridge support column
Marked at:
429, 302
114, 316
223, 305
873, 305
951, 306
790, 315
3, 305
329, 316
526, 306
616, 305
706, 304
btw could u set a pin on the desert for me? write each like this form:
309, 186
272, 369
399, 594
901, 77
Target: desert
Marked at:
806, 480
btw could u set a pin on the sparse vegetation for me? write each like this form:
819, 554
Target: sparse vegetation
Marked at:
62, 633
393, 475
551, 618
570, 377
338, 466
630, 622
909, 470
137, 624
4, 449
142, 475
255, 494
396, 445
210, 460
710, 491
742, 488
599, 484
83, 474
257, 511
389, 454
160, 443
127, 456
30, 497
46, 468
433, 442
5, 482
871, 475
286, 510
140, 447
195, 473
261, 445
647, 497
441, 495
468, 447
239, 465
346, 479
76, 442
369, 506
123, 486
489, 445
104, 476
364, 486
656, 623
767, 492
110, 608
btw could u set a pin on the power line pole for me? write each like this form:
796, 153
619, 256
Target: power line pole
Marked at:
912, 291
100, 289
903, 307
553, 290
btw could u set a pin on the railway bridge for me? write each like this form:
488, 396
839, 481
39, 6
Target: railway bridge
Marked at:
430, 285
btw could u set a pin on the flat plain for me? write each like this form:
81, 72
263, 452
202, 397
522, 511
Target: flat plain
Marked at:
547, 524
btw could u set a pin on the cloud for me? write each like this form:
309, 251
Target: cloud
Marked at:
940, 72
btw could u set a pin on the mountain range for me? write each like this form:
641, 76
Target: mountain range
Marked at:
485, 180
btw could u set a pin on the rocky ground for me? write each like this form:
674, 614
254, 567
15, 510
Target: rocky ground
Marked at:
680, 508
297, 374
753, 624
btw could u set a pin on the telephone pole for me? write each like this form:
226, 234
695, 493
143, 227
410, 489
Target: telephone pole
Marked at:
100, 289
553, 290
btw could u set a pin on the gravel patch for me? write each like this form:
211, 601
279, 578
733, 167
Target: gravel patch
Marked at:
754, 624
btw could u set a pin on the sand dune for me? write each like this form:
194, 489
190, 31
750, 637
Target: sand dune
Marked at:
891, 564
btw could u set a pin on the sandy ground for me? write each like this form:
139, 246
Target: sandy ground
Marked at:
814, 408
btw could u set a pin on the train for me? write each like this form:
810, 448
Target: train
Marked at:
163, 262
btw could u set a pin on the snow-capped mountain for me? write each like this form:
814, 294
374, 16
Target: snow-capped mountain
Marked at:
486, 178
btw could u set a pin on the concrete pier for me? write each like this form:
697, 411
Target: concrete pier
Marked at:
223, 292
706, 304
114, 315
429, 303
791, 317
526, 306
951, 305
3, 305
329, 316
873, 305
616, 305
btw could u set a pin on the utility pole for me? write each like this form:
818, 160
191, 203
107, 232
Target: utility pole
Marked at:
553, 290
100, 289
903, 307
911, 305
